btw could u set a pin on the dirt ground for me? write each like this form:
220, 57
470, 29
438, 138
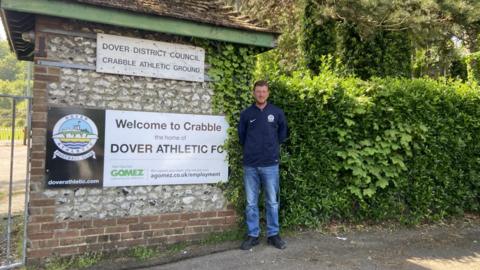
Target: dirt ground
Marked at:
455, 246
19, 173
18, 199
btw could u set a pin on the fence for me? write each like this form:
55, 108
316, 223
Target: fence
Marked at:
19, 136
12, 249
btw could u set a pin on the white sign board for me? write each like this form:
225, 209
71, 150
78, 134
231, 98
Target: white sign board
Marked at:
146, 148
148, 58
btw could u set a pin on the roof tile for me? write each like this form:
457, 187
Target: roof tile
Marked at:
203, 11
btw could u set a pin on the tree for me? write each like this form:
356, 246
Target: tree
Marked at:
365, 47
283, 16
12, 82
430, 25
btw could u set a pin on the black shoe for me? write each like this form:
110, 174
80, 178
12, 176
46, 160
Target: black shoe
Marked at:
277, 242
249, 243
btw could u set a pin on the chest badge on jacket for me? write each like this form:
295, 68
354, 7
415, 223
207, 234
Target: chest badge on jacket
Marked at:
271, 118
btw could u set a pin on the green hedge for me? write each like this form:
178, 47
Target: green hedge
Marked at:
387, 149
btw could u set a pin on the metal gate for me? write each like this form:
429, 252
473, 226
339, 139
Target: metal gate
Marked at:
13, 226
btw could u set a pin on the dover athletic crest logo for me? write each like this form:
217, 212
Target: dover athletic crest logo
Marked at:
271, 118
74, 135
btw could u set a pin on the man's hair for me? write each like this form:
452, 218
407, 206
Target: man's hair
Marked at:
260, 83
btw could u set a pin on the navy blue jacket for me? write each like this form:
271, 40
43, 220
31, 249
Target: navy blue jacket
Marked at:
261, 132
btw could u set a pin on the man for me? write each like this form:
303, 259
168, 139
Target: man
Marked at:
261, 130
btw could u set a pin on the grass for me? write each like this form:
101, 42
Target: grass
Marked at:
77, 262
16, 234
144, 253
231, 235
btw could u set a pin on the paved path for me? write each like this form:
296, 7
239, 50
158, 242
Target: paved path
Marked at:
436, 248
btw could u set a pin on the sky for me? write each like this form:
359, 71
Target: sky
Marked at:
3, 36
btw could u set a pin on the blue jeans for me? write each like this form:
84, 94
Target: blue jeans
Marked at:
253, 178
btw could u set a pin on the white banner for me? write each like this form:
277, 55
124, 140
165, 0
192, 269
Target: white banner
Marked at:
149, 58
146, 148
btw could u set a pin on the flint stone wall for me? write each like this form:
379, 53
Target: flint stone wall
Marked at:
89, 89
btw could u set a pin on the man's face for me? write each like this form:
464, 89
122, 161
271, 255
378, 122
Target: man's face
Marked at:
261, 94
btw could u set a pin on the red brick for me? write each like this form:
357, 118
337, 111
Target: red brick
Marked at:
216, 221
40, 236
72, 241
131, 235
53, 71
38, 148
102, 238
208, 214
40, 107
53, 226
46, 78
114, 237
39, 124
104, 223
33, 228
35, 211
48, 210
42, 202
131, 243
91, 239
225, 213
208, 229
168, 231
116, 229
197, 222
192, 230
158, 233
92, 247
39, 171
66, 234
159, 225
168, 217
188, 216
178, 224
39, 69
39, 253
38, 132
138, 227
157, 240
196, 237
34, 244
36, 195
148, 219
176, 238
64, 251
39, 85
92, 231
80, 224
38, 155
37, 219
49, 243
128, 220
39, 116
